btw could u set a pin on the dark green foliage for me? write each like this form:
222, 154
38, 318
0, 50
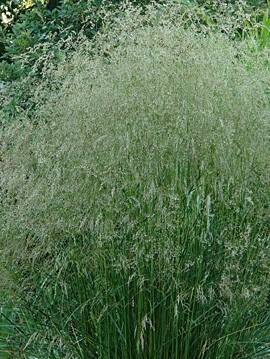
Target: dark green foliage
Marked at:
38, 27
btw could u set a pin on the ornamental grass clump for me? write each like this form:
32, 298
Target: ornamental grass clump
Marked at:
135, 205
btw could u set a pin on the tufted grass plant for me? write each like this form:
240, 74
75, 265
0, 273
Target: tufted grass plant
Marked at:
135, 206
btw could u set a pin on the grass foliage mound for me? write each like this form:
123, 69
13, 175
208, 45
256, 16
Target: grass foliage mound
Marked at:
135, 207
